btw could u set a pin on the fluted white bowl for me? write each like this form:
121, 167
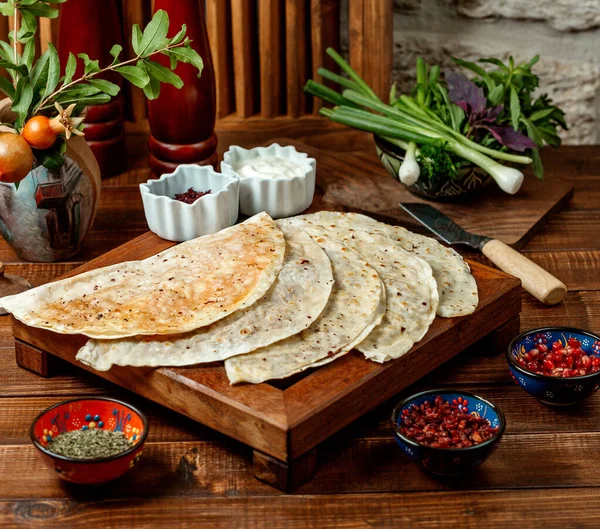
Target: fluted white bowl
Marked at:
177, 221
279, 196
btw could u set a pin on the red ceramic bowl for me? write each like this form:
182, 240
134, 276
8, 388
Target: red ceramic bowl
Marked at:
99, 412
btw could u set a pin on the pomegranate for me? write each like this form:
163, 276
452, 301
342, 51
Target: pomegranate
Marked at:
41, 132
16, 157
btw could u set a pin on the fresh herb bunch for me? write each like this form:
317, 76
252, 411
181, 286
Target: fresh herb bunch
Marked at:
449, 121
38, 87
511, 86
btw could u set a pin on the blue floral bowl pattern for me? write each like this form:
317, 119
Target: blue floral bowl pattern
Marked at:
554, 391
450, 461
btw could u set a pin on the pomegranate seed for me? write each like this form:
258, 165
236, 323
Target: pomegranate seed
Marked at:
548, 364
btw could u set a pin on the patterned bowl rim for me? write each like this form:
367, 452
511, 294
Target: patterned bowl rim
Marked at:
468, 394
97, 459
557, 380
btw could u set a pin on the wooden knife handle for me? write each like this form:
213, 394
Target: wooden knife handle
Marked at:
538, 282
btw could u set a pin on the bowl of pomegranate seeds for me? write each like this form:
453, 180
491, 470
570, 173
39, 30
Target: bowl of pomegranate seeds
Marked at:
448, 432
559, 366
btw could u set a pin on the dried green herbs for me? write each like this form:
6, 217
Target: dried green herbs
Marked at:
89, 444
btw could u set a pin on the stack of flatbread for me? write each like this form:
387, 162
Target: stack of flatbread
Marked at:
268, 298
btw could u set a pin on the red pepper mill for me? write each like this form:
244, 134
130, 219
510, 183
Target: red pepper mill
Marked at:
92, 27
182, 121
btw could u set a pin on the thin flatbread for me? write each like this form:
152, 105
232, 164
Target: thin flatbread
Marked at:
457, 288
352, 306
294, 301
411, 290
181, 289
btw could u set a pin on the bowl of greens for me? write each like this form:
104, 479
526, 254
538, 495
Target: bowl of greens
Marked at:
452, 135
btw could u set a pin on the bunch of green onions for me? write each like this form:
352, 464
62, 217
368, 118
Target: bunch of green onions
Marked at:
407, 123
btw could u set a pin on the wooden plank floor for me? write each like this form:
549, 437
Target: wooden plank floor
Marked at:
542, 475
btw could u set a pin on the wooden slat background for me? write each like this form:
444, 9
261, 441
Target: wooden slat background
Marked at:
264, 51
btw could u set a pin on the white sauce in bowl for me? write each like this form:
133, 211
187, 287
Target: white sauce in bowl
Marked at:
271, 167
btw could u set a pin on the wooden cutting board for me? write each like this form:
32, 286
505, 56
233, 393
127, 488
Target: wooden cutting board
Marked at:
284, 421
359, 182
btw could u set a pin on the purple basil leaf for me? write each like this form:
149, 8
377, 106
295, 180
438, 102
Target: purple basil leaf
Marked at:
491, 114
509, 137
464, 93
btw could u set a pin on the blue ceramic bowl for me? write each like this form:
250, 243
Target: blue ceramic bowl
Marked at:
554, 391
450, 461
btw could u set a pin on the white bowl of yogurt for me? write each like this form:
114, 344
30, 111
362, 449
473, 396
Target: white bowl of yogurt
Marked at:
278, 180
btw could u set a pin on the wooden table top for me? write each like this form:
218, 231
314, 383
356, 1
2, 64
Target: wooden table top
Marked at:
542, 475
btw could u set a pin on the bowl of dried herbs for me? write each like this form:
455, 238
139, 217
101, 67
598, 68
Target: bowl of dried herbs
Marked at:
90, 440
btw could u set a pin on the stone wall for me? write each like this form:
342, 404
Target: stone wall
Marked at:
565, 33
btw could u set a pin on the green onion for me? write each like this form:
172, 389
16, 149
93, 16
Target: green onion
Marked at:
407, 122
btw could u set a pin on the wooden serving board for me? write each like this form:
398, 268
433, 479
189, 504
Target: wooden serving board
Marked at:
284, 421
359, 182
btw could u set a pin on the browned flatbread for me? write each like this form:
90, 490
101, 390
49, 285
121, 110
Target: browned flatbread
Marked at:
181, 289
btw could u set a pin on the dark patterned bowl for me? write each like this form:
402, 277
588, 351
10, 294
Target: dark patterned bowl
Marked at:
470, 180
554, 391
450, 461
81, 414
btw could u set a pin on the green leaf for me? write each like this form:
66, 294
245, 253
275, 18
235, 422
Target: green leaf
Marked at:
6, 87
51, 159
550, 135
189, 56
136, 38
155, 32
541, 114
79, 90
478, 70
89, 65
40, 9
7, 9
81, 102
53, 70
532, 131
515, 108
23, 97
39, 74
28, 27
495, 61
538, 168
115, 51
9, 65
70, 69
28, 54
162, 74
496, 96
105, 86
6, 51
180, 35
533, 61
152, 89
133, 74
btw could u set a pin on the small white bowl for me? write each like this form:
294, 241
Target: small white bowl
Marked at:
282, 196
177, 221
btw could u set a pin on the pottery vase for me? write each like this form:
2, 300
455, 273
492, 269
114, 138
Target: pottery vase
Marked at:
51, 212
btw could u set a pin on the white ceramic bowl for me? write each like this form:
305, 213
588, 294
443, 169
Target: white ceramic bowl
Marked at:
282, 196
177, 221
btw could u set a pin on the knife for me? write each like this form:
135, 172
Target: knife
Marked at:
538, 282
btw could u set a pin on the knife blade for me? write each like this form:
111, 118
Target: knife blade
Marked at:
538, 282
444, 227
